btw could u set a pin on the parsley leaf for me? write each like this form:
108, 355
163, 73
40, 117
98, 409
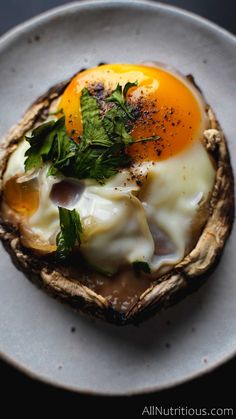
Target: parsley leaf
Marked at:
128, 86
63, 149
69, 235
50, 142
94, 132
101, 151
118, 97
40, 145
109, 162
99, 155
99, 163
116, 125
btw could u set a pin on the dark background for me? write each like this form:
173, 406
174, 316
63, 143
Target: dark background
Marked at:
216, 389
222, 12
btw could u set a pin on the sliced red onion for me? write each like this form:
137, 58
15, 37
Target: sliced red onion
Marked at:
66, 193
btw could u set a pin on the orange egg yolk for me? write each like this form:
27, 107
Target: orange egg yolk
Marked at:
21, 197
164, 106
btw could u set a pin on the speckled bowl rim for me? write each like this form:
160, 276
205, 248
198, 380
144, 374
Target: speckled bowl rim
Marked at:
5, 41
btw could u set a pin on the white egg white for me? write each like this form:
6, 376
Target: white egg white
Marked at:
123, 222
154, 222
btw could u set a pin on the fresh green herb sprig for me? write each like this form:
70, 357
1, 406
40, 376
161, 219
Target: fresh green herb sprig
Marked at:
99, 163
50, 142
100, 153
94, 132
70, 233
118, 97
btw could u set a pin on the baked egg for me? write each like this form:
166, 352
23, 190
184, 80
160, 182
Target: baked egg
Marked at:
149, 213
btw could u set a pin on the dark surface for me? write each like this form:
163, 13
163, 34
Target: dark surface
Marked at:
16, 11
216, 389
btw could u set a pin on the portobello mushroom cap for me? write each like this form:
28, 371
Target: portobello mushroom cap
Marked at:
184, 278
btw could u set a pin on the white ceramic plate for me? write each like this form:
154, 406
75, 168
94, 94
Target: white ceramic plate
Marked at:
35, 330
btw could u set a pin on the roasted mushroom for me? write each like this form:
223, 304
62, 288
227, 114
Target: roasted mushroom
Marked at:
126, 297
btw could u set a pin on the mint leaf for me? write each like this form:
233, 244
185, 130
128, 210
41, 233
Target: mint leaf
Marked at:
70, 233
